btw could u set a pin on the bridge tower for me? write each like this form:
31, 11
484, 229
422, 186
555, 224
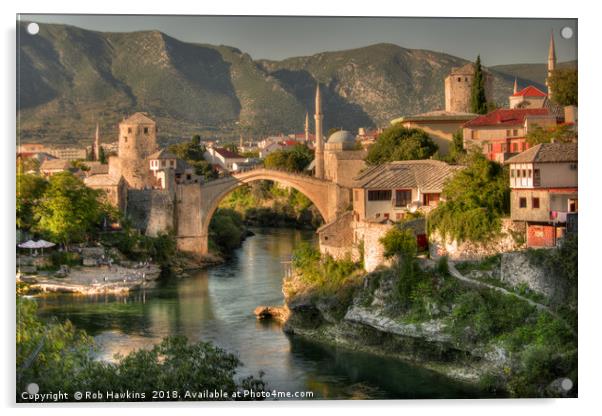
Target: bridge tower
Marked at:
319, 145
137, 141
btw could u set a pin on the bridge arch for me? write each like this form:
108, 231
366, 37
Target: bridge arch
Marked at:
196, 204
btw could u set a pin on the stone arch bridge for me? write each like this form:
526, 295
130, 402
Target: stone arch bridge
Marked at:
196, 203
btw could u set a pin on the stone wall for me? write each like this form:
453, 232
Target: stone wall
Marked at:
516, 270
337, 240
508, 240
151, 210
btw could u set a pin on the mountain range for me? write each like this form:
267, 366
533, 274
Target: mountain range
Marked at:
68, 79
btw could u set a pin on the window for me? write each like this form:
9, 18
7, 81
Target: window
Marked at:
129, 129
459, 79
146, 130
536, 177
529, 173
514, 147
466, 79
403, 197
377, 215
163, 163
512, 173
172, 163
507, 132
125, 139
515, 132
522, 202
524, 173
379, 195
386, 215
518, 171
535, 203
474, 134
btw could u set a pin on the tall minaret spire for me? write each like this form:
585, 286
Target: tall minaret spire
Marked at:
319, 147
551, 63
515, 86
97, 143
306, 127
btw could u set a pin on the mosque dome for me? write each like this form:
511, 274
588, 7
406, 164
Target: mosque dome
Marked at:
342, 137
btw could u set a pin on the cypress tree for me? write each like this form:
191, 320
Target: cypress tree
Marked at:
478, 100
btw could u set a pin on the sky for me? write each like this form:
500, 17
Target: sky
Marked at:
498, 41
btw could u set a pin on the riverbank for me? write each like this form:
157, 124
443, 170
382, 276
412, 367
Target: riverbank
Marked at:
497, 341
83, 280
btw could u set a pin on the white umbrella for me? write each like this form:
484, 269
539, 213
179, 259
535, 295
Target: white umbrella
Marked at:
29, 244
44, 244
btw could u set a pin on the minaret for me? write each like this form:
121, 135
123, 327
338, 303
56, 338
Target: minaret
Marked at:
551, 64
306, 128
240, 143
97, 143
515, 86
319, 145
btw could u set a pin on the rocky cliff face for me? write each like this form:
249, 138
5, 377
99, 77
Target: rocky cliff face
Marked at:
70, 78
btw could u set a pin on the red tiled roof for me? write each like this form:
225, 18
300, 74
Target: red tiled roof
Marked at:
227, 153
290, 142
530, 91
505, 116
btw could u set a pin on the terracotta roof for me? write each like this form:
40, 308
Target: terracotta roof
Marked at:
227, 153
426, 175
139, 118
162, 154
506, 117
547, 153
530, 91
55, 164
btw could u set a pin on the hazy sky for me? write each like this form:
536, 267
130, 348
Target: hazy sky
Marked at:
499, 41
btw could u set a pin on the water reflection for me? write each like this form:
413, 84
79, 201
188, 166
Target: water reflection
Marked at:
217, 305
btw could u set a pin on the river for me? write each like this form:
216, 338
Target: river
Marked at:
217, 305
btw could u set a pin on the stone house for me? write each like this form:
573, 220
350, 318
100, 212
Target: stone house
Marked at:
391, 190
439, 125
502, 133
51, 166
529, 97
223, 157
543, 182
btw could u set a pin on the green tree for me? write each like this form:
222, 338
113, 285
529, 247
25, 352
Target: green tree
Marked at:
68, 210
196, 140
102, 156
563, 83
478, 99
57, 356
400, 143
476, 199
399, 242
30, 189
456, 150
292, 160
561, 133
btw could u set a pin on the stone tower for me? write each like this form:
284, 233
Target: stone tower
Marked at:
458, 88
551, 63
306, 128
319, 147
97, 143
137, 141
